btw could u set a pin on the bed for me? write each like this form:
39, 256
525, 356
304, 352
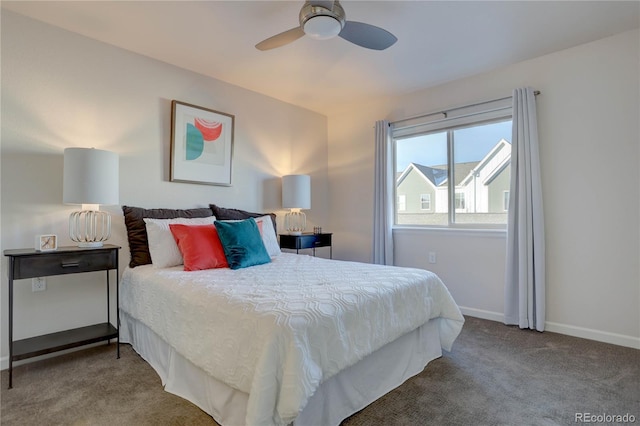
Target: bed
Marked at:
296, 340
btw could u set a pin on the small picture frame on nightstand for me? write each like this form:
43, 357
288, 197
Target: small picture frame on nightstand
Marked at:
46, 242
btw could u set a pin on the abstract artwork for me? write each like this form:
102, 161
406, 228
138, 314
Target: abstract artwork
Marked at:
201, 145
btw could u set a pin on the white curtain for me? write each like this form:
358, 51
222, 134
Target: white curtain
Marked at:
383, 196
525, 272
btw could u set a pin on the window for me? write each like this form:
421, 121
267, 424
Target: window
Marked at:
456, 169
402, 203
460, 206
425, 201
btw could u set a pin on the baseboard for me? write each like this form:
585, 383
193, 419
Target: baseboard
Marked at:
479, 313
569, 330
598, 335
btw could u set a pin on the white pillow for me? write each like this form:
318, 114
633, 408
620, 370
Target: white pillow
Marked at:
269, 236
162, 246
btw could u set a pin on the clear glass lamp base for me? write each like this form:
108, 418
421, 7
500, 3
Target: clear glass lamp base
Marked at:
89, 228
295, 222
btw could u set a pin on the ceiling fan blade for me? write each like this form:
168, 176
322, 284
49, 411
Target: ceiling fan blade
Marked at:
280, 39
366, 35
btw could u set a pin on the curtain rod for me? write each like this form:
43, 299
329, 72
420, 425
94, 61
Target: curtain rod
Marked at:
446, 111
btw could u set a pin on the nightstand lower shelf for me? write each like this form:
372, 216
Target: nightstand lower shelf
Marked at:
53, 342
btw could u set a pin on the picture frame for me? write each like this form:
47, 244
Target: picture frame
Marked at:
201, 145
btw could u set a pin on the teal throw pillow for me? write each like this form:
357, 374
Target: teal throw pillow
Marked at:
242, 243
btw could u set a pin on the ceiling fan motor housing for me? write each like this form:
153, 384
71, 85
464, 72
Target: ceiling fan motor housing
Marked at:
321, 23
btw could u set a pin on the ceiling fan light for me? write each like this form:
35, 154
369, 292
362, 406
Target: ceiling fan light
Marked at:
322, 27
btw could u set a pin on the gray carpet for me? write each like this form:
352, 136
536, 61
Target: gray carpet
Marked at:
495, 375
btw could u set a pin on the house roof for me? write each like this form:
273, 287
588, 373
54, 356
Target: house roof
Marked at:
437, 175
502, 144
462, 172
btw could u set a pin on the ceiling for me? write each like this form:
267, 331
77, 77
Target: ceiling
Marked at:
438, 41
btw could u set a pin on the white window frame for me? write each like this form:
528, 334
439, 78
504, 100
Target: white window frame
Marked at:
427, 200
463, 198
505, 200
474, 115
402, 201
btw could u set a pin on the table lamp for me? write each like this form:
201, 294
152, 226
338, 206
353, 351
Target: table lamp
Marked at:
296, 195
90, 179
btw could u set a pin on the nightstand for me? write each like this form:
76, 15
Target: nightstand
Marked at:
29, 263
306, 241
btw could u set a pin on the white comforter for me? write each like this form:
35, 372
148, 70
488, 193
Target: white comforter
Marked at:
277, 331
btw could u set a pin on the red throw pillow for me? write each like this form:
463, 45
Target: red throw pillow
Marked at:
200, 246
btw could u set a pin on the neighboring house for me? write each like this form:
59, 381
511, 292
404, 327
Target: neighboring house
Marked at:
481, 188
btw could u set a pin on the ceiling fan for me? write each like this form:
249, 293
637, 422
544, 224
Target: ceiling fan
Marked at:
323, 20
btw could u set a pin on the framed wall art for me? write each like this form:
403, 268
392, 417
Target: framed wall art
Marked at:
201, 145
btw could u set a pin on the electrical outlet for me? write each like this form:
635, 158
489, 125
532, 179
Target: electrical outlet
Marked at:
38, 284
432, 257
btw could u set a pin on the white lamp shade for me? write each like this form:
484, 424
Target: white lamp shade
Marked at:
296, 192
90, 176
322, 27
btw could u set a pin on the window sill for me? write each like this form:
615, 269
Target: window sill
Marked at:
458, 232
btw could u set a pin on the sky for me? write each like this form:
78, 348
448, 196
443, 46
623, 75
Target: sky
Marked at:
470, 144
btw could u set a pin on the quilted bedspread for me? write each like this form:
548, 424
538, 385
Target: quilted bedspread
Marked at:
277, 331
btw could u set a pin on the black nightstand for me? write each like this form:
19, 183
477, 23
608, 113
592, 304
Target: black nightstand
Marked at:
306, 241
29, 263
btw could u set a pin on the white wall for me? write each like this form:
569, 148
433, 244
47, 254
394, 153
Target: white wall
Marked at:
589, 137
61, 90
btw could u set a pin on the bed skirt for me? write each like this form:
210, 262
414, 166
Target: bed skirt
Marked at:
336, 399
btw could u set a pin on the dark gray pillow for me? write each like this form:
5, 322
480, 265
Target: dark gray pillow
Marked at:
222, 213
137, 231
